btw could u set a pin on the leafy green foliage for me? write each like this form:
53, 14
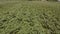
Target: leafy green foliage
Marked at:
29, 17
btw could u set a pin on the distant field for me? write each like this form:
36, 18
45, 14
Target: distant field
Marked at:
29, 17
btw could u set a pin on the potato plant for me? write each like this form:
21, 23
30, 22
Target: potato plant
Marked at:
29, 17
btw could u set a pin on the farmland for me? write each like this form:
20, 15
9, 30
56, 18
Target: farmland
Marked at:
29, 17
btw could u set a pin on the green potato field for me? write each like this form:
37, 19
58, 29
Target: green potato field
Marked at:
29, 17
